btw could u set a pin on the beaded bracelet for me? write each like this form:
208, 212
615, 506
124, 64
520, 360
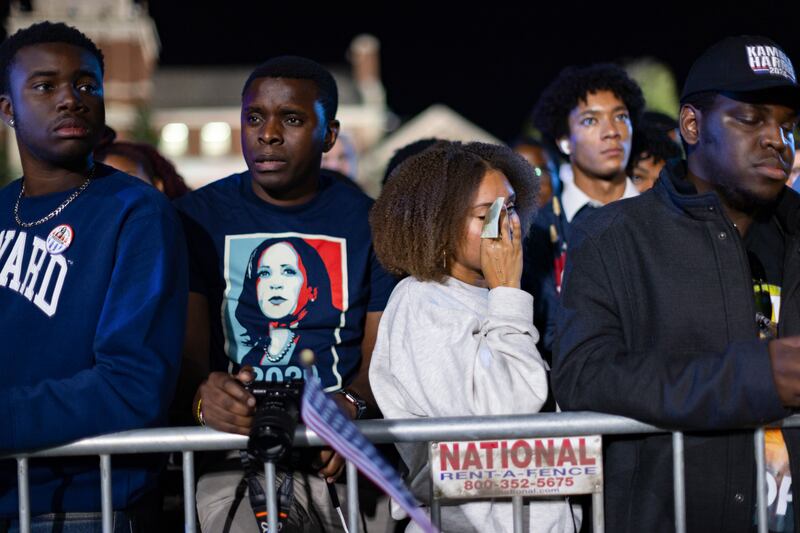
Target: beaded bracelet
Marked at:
198, 415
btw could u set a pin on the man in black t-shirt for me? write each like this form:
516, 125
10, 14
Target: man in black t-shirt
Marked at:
681, 307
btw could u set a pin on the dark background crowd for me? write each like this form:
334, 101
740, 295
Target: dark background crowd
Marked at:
498, 58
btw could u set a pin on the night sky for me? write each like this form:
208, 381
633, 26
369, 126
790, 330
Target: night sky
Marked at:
489, 65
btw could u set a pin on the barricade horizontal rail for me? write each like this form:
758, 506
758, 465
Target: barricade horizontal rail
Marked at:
192, 439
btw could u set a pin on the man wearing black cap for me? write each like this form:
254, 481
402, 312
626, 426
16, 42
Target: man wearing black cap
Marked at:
688, 300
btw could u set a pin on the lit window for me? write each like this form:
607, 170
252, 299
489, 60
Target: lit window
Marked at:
215, 139
174, 139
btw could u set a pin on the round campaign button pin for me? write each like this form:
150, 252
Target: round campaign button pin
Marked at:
59, 239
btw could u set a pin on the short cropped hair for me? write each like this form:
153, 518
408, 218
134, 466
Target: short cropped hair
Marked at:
655, 144
301, 68
573, 85
39, 33
419, 218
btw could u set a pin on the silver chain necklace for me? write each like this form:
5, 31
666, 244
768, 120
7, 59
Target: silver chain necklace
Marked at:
54, 212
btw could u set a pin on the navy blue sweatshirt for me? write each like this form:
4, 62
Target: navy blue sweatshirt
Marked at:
92, 317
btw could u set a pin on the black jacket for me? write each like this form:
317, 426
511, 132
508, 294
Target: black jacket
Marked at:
658, 323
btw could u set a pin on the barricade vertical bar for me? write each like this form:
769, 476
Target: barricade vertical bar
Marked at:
516, 506
761, 480
598, 513
352, 498
678, 484
24, 496
272, 503
105, 493
190, 524
436, 509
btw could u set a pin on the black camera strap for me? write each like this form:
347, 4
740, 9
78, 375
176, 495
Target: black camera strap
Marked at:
251, 485
237, 499
258, 498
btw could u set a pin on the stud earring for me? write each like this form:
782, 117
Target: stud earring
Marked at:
11, 122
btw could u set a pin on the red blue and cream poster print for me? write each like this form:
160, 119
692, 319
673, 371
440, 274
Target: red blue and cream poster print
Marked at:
285, 292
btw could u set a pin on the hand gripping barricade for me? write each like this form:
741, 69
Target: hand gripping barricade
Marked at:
543, 425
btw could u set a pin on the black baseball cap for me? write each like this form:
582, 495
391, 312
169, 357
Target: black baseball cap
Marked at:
743, 64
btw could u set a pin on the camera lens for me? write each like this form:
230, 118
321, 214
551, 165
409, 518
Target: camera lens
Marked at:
276, 417
273, 432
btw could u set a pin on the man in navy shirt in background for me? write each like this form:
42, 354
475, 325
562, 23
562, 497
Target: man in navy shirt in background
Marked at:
92, 290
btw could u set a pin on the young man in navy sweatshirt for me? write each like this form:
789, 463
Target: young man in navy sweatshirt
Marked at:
93, 289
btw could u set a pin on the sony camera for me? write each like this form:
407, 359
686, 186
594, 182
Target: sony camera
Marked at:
276, 417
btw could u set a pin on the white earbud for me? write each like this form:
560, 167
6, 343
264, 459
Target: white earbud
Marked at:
563, 144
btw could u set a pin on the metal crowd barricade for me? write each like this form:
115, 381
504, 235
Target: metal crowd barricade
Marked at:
189, 440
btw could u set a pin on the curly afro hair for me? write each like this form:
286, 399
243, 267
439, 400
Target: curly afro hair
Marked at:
420, 215
572, 85
43, 32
